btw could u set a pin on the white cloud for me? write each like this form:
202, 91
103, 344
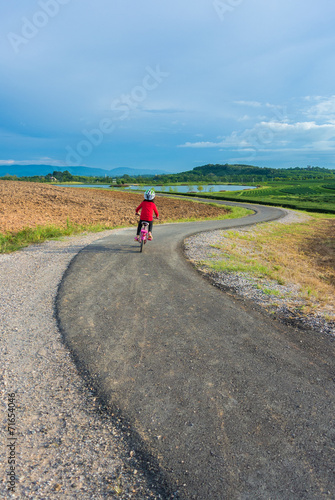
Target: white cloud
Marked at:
272, 135
7, 162
253, 104
298, 127
324, 109
244, 118
200, 145
41, 161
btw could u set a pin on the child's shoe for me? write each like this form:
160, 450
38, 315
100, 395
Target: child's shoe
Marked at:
136, 238
150, 236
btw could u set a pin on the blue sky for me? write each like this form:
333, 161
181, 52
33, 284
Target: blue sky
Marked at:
167, 85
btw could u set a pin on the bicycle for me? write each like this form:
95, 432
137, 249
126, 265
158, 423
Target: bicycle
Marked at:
143, 236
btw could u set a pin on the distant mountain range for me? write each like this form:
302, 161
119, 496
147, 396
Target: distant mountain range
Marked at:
31, 170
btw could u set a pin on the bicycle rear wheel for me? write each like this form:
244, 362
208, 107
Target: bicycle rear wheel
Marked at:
141, 244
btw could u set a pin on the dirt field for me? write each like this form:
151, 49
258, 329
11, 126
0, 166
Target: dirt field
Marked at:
28, 204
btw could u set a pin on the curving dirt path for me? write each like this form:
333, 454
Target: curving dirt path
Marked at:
218, 400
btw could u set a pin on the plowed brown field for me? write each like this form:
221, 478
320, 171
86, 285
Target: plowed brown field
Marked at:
28, 204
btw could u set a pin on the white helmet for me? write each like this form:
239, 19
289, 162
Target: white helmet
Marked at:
149, 194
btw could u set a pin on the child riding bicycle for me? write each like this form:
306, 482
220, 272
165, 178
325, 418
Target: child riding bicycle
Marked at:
147, 208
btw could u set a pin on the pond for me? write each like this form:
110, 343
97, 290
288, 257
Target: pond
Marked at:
194, 188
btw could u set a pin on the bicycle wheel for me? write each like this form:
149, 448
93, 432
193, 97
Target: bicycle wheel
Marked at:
141, 244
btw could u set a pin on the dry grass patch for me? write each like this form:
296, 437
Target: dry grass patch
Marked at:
300, 253
320, 248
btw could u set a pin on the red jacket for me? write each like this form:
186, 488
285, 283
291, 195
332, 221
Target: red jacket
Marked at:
147, 210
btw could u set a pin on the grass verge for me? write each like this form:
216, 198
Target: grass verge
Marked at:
233, 212
302, 254
10, 242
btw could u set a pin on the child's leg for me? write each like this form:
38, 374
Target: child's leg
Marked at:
139, 227
150, 230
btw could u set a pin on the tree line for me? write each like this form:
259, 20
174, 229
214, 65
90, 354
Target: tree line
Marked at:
210, 173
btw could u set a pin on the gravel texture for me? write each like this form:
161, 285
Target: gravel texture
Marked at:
66, 446
284, 304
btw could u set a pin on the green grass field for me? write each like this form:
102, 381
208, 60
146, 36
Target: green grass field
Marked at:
312, 196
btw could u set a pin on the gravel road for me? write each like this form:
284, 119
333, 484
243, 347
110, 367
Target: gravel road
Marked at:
65, 447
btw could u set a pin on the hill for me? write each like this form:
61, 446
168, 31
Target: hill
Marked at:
245, 174
33, 170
